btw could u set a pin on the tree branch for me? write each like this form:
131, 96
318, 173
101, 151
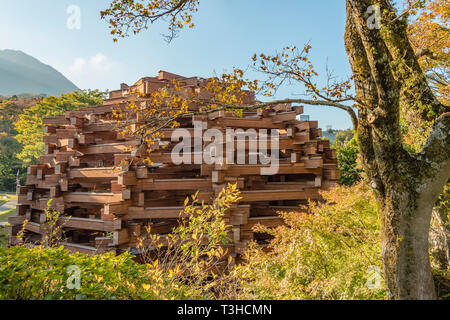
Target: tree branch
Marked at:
348, 109
366, 91
437, 149
415, 93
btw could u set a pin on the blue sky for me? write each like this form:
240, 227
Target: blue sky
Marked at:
227, 34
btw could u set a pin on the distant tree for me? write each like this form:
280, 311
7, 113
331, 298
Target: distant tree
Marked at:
428, 33
342, 137
31, 129
9, 163
347, 151
347, 156
9, 113
10, 109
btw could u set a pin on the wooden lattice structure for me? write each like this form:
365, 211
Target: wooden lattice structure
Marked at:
107, 194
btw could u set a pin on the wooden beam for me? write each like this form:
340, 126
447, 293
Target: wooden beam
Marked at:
60, 120
172, 184
90, 224
153, 213
273, 195
270, 222
264, 123
242, 170
116, 208
91, 197
120, 147
94, 173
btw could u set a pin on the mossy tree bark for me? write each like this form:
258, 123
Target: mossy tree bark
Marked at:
389, 79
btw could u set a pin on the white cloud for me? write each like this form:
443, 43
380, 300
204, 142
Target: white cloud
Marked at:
77, 66
101, 62
93, 72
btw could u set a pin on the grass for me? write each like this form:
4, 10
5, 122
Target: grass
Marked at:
4, 217
5, 197
4, 231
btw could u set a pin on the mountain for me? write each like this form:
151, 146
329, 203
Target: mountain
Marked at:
20, 73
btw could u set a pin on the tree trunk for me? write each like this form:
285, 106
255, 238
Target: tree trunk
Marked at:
404, 231
405, 211
387, 79
440, 240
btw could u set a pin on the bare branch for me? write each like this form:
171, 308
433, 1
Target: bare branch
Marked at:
262, 105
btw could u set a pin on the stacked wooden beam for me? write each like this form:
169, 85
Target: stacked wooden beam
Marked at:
108, 194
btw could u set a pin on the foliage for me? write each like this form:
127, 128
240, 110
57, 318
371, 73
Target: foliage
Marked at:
343, 137
54, 228
323, 254
429, 33
196, 251
330, 251
10, 109
133, 16
31, 129
44, 273
347, 153
9, 163
442, 283
325, 251
185, 267
4, 231
347, 156
9, 112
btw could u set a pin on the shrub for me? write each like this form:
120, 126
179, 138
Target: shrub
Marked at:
328, 251
45, 273
196, 251
184, 264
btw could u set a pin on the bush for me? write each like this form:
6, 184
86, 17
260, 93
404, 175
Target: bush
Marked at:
46, 273
196, 251
328, 251
185, 267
